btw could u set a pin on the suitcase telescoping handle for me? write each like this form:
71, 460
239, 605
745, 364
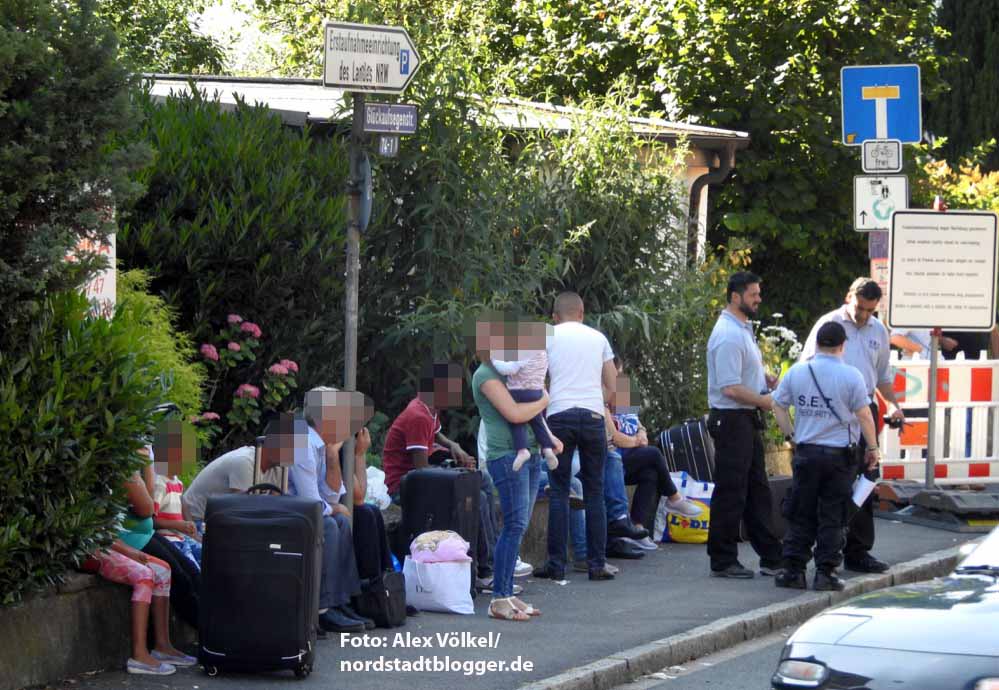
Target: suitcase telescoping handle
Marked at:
258, 446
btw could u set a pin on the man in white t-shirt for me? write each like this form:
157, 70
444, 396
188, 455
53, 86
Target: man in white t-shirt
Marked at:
229, 473
581, 368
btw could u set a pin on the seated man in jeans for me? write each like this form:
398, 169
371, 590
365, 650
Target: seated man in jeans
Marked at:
410, 441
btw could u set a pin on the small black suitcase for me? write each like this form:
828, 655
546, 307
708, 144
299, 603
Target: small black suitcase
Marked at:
260, 576
688, 448
780, 487
437, 498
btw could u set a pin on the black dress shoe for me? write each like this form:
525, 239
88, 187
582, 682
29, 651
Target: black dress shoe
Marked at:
351, 613
335, 622
865, 564
601, 574
619, 548
790, 579
735, 571
623, 527
826, 581
546, 573
412, 610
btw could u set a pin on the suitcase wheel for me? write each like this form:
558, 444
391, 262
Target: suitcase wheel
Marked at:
212, 670
302, 671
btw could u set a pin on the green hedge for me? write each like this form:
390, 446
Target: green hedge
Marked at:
75, 405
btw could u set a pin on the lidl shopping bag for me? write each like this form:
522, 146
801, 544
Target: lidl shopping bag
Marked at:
444, 586
682, 529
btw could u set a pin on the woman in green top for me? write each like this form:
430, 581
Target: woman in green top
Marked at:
517, 490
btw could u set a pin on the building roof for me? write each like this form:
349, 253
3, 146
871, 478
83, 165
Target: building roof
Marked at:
307, 101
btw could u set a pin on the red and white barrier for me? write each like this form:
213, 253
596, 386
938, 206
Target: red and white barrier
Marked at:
967, 428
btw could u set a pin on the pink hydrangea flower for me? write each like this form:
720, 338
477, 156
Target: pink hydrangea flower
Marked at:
234, 319
209, 352
210, 417
279, 369
235, 347
290, 365
247, 391
251, 328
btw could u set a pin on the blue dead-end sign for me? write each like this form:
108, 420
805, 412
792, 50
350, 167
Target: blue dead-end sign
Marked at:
881, 102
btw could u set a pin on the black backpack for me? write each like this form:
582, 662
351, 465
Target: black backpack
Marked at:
383, 600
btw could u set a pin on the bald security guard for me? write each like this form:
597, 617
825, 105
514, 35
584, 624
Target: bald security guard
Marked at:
868, 349
739, 394
831, 415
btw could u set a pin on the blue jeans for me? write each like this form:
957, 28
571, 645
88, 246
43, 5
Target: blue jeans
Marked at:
582, 429
615, 495
577, 518
517, 491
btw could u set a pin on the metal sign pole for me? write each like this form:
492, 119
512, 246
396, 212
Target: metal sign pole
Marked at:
353, 278
931, 424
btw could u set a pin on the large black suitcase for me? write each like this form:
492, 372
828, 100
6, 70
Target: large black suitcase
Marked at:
437, 498
780, 488
688, 448
260, 576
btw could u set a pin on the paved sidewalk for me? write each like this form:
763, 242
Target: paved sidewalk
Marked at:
667, 593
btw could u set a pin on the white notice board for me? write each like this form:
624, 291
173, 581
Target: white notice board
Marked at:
942, 270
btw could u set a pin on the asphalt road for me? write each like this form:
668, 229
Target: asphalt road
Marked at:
666, 593
745, 667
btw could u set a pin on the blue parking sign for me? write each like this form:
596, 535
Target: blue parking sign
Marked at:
881, 102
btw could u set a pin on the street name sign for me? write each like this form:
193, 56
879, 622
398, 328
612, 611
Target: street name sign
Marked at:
942, 270
368, 57
390, 118
882, 156
875, 198
881, 102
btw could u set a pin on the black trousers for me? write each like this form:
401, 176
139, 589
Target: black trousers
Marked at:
646, 467
185, 580
371, 548
860, 533
742, 492
816, 507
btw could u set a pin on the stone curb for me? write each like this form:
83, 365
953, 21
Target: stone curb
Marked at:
626, 666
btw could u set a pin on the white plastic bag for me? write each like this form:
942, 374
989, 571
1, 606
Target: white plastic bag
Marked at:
444, 586
377, 493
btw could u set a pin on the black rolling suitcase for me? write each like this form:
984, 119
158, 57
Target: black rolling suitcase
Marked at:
436, 498
260, 577
780, 488
688, 448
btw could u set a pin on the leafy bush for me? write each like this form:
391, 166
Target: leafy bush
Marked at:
243, 215
74, 409
170, 349
63, 98
964, 186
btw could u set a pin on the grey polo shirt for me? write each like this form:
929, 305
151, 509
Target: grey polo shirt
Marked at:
868, 348
813, 421
733, 358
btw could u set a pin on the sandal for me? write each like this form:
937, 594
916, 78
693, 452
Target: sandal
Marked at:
524, 607
511, 612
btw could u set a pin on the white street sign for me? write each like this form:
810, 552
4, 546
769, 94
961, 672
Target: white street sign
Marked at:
369, 57
942, 270
875, 198
882, 156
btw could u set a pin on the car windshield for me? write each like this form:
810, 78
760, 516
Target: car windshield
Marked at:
985, 557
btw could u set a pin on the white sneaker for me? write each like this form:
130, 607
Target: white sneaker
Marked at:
138, 668
646, 543
612, 569
522, 569
683, 507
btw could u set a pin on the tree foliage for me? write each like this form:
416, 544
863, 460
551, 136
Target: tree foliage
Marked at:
968, 114
63, 98
160, 36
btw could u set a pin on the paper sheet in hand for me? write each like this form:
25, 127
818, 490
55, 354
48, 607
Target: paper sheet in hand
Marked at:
862, 488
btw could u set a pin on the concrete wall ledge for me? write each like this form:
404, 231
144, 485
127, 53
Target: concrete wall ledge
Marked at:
80, 625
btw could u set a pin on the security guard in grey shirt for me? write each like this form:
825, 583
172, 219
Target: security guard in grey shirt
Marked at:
868, 350
831, 415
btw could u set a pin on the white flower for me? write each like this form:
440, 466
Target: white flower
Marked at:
398, 201
778, 315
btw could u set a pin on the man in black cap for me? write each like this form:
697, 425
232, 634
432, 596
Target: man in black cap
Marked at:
868, 350
831, 415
